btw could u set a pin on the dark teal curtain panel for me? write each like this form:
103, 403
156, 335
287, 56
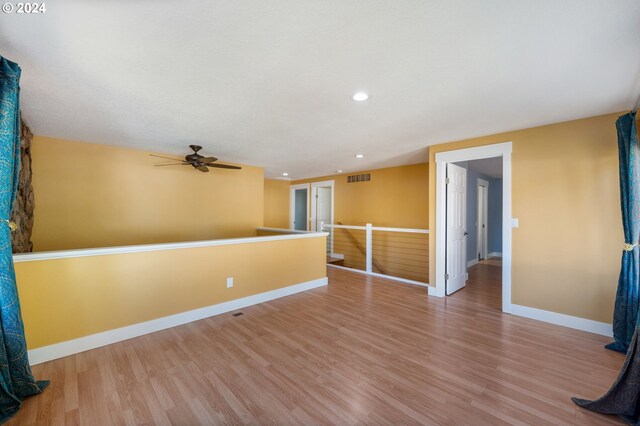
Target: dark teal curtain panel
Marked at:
625, 315
623, 399
16, 380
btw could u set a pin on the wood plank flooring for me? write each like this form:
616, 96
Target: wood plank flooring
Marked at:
362, 350
484, 286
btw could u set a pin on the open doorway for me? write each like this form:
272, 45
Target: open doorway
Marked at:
322, 209
321, 204
462, 176
481, 269
299, 214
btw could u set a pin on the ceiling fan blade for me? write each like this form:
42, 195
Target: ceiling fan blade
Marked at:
172, 164
203, 169
223, 166
166, 158
207, 159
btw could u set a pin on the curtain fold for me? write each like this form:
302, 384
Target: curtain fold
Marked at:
16, 380
623, 398
625, 313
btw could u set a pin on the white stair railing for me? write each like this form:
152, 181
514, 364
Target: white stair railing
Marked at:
393, 252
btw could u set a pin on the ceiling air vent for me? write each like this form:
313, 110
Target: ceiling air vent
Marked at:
365, 177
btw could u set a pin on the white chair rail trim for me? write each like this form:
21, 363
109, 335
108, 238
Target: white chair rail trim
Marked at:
62, 254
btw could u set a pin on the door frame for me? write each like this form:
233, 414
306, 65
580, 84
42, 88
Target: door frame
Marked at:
468, 154
314, 187
485, 213
292, 203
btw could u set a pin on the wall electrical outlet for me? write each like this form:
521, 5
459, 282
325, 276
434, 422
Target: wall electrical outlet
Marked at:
229, 282
515, 222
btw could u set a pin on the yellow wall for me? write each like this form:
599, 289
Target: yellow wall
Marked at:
395, 196
63, 299
566, 251
91, 195
276, 203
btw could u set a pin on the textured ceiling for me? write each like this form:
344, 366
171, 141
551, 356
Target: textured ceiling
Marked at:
269, 83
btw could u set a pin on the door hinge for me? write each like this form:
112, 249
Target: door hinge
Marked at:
446, 276
446, 181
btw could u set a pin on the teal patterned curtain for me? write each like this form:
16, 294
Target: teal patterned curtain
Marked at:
623, 399
625, 314
16, 380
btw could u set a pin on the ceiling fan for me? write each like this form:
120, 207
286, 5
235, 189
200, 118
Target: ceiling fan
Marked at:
196, 161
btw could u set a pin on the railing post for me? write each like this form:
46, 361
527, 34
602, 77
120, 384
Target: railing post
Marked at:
369, 247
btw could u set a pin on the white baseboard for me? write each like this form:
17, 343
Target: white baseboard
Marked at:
565, 320
431, 290
81, 344
472, 262
337, 255
494, 254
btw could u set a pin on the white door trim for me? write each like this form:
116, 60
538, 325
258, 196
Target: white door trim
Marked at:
314, 186
292, 203
476, 153
483, 242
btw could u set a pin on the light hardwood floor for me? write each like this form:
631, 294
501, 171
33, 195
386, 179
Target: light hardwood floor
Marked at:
362, 350
484, 286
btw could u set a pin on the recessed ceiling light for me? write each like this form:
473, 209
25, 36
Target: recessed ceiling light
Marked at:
359, 155
338, 171
285, 174
360, 96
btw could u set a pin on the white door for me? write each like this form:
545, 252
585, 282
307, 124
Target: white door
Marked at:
321, 204
322, 209
483, 201
322, 212
456, 262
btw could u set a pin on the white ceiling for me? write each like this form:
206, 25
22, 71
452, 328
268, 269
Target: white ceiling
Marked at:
269, 83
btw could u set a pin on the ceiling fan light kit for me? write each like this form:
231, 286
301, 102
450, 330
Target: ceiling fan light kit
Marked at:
197, 161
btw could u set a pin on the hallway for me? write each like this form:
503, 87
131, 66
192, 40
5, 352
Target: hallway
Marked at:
484, 287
